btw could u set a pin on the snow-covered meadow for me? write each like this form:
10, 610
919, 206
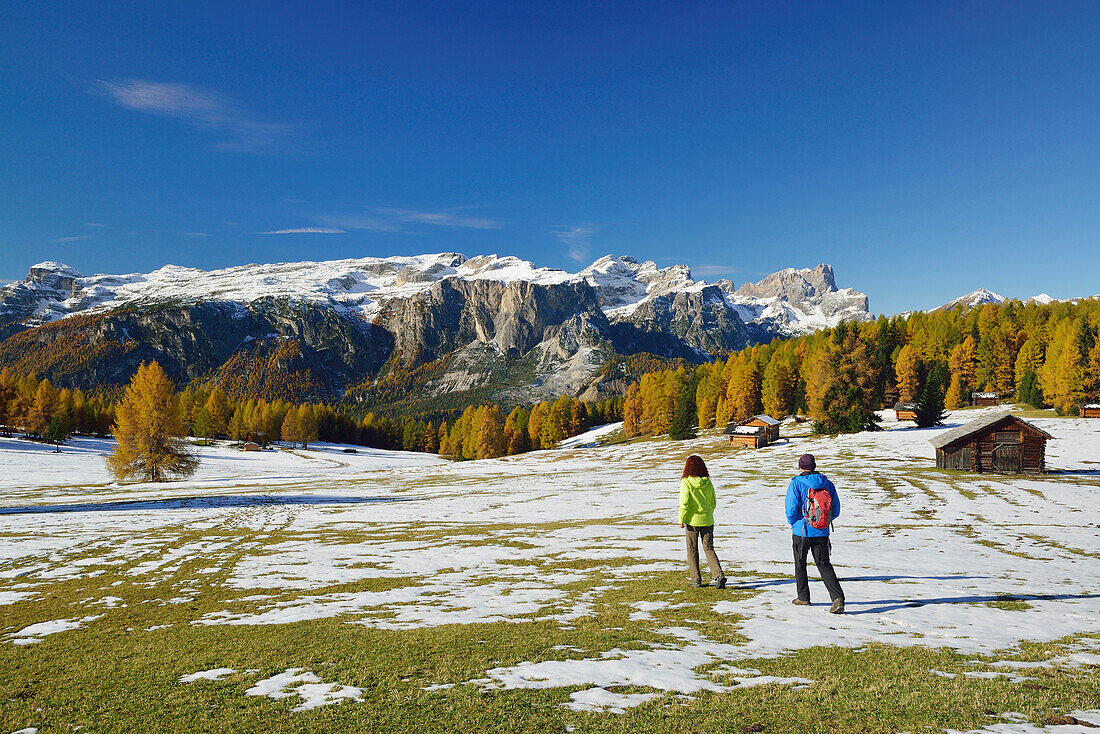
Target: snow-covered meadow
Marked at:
972, 563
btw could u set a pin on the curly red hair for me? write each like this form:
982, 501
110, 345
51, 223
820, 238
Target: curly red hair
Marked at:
695, 467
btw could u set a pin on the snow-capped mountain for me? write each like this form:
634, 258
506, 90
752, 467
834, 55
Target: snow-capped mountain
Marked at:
979, 297
499, 324
793, 301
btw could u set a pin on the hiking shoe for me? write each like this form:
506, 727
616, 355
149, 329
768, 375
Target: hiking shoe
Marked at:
801, 602
720, 582
837, 607
696, 584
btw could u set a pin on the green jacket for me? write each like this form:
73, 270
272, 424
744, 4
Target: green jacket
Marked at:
697, 501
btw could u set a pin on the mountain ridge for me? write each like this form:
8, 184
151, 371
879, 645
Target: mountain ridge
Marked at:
503, 324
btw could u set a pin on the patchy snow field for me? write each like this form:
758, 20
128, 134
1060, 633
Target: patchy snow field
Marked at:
975, 563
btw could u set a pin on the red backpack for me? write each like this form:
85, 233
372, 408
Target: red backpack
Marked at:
818, 510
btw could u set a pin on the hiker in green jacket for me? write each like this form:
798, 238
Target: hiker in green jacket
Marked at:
697, 504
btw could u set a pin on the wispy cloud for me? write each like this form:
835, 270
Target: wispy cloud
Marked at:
75, 238
202, 108
305, 230
94, 224
386, 219
443, 218
712, 270
577, 240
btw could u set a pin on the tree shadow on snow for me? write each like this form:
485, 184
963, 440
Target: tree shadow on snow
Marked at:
187, 503
890, 605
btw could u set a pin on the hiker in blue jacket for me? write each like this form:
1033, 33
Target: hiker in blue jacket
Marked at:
808, 538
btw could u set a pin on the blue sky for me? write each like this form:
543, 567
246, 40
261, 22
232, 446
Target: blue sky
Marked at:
923, 149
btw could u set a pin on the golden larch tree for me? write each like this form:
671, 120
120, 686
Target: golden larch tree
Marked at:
149, 431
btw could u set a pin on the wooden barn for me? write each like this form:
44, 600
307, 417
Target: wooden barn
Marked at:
999, 443
769, 424
906, 411
980, 399
1090, 410
250, 446
752, 436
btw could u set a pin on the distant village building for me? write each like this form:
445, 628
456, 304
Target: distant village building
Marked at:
769, 424
980, 399
1090, 410
999, 443
906, 411
752, 436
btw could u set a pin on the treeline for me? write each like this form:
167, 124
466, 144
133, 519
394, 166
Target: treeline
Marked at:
43, 411
206, 412
483, 432
1044, 355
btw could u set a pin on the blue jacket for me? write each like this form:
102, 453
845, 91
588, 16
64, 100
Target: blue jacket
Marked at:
796, 500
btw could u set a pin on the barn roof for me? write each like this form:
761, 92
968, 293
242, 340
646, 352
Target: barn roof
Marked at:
765, 418
734, 428
905, 406
949, 437
1093, 406
983, 395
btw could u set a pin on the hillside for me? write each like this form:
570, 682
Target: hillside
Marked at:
499, 327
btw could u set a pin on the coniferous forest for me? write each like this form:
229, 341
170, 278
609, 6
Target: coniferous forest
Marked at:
1045, 355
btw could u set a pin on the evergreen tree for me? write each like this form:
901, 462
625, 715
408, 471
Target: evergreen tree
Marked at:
58, 430
1029, 391
930, 410
684, 417
149, 431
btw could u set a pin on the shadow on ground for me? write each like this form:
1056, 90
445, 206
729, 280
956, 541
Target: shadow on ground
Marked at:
219, 502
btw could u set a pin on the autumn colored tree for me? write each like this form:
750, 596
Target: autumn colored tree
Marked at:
217, 406
42, 410
306, 425
778, 388
841, 384
490, 438
907, 372
288, 432
149, 432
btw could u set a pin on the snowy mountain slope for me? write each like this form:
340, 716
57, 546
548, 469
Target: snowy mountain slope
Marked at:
979, 297
497, 326
53, 291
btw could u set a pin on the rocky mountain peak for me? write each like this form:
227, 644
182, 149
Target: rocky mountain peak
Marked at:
793, 285
50, 274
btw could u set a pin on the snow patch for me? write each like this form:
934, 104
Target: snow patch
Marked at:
307, 686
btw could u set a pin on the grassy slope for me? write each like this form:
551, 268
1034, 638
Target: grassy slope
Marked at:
114, 675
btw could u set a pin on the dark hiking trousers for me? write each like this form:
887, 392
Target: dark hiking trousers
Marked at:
706, 534
819, 547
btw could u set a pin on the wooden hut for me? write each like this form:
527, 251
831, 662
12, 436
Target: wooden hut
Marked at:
250, 446
1090, 410
980, 399
769, 424
906, 411
752, 436
999, 443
